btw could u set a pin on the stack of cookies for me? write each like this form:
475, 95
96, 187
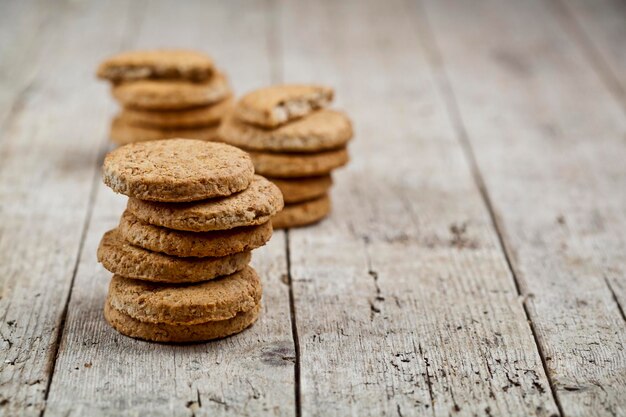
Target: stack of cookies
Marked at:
166, 94
295, 141
181, 251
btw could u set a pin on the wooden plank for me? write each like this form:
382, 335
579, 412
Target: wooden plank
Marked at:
548, 139
599, 30
404, 303
47, 164
101, 373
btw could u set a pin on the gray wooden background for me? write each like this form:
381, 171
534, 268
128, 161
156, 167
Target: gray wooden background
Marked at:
475, 261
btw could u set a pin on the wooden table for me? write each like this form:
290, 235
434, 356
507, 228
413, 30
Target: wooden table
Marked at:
475, 260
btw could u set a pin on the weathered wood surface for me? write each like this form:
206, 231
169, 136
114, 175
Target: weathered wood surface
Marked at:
474, 262
553, 166
420, 313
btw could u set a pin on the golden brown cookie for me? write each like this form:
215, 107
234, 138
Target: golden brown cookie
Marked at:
302, 214
120, 257
177, 170
123, 133
171, 94
319, 131
290, 165
297, 190
157, 64
278, 104
200, 244
170, 333
255, 205
177, 119
219, 299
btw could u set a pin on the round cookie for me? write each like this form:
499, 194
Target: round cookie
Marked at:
255, 205
157, 64
297, 190
279, 104
177, 119
319, 131
169, 333
199, 244
120, 257
219, 299
123, 133
302, 214
171, 94
177, 170
284, 165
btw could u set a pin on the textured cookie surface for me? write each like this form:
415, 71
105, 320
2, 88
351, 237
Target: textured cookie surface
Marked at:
276, 105
177, 170
255, 205
321, 130
297, 190
123, 133
289, 165
120, 257
171, 94
160, 63
302, 214
162, 332
219, 299
184, 244
164, 119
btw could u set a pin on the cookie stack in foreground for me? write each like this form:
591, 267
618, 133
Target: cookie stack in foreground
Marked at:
181, 251
166, 94
295, 141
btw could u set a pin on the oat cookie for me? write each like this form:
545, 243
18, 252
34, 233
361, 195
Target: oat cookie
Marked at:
123, 133
120, 257
276, 105
169, 333
255, 205
297, 190
171, 94
177, 170
157, 64
288, 165
200, 244
319, 131
219, 299
177, 119
302, 214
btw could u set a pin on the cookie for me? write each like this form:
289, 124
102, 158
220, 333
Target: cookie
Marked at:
297, 190
177, 119
120, 257
276, 105
169, 333
219, 299
255, 205
319, 131
200, 244
123, 133
177, 170
171, 94
157, 64
288, 165
302, 214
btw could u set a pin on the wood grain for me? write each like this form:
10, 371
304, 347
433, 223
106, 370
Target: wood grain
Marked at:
47, 163
102, 373
553, 166
404, 302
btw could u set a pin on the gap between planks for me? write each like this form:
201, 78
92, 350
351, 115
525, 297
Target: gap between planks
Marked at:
437, 66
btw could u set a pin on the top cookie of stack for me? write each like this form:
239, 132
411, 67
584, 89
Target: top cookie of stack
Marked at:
295, 141
166, 94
